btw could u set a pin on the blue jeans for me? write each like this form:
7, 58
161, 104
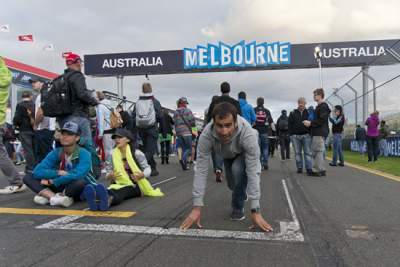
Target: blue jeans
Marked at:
383, 148
263, 142
337, 148
186, 142
235, 173
217, 160
361, 146
302, 145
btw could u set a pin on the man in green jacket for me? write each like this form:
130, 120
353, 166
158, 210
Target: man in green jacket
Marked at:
6, 165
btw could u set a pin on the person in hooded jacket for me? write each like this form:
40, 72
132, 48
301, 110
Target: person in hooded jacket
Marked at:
373, 136
246, 109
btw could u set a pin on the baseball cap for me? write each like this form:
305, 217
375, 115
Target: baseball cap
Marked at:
72, 58
121, 132
183, 100
32, 80
70, 127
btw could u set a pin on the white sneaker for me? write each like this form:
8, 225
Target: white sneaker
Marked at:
40, 200
60, 200
11, 189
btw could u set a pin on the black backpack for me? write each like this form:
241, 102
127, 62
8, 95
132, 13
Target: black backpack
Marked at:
57, 100
283, 124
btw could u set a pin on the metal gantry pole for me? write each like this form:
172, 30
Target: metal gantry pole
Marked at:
320, 73
365, 92
355, 101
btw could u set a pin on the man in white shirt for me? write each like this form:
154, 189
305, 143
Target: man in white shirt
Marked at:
44, 127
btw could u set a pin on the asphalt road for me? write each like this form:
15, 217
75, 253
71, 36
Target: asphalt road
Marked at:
349, 218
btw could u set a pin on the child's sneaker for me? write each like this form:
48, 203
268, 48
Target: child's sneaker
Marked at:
102, 195
61, 200
40, 200
89, 194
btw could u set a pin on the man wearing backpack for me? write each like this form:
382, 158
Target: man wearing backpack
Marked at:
148, 114
262, 125
80, 98
282, 127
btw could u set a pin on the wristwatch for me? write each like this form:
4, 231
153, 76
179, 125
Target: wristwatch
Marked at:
256, 210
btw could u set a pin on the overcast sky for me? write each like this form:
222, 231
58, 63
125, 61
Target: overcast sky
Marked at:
90, 27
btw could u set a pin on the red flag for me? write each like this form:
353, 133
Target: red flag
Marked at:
25, 38
65, 54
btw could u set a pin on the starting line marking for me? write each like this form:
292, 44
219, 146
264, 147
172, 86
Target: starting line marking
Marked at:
289, 231
62, 212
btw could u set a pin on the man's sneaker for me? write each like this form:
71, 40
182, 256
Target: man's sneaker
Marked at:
341, 164
60, 200
266, 167
40, 200
237, 215
322, 173
11, 189
218, 176
299, 170
332, 164
309, 172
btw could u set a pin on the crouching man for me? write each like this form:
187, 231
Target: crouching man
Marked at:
232, 137
60, 178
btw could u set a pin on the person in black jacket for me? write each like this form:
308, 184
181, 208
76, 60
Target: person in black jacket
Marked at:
300, 136
24, 119
81, 99
165, 143
319, 130
262, 125
282, 127
225, 90
337, 121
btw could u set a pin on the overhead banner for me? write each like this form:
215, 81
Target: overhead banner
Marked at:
242, 56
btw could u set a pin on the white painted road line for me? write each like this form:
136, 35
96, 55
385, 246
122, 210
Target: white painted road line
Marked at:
289, 231
294, 217
164, 181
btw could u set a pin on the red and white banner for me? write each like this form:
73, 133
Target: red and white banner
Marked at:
65, 54
25, 38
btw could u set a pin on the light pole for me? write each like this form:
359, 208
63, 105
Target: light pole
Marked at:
318, 57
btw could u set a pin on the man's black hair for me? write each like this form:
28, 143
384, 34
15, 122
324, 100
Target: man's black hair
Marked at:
242, 95
225, 88
222, 110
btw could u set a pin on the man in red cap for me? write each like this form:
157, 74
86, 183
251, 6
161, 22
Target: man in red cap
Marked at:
81, 99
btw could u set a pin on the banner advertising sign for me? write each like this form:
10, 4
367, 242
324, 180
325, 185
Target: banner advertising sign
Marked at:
241, 56
392, 146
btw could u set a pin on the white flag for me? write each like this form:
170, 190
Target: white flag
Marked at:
5, 28
49, 47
